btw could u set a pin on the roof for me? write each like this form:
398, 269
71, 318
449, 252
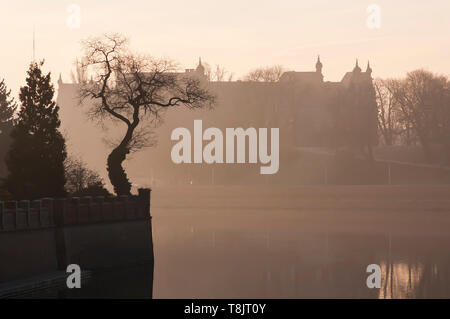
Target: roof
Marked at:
293, 76
349, 75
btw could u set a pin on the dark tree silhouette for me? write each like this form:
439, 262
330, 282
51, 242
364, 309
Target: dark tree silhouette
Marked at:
129, 88
356, 117
389, 124
81, 180
8, 109
8, 106
423, 98
36, 158
265, 74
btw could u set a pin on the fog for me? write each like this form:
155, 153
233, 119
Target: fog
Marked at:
300, 242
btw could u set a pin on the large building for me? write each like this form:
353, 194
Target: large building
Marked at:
308, 110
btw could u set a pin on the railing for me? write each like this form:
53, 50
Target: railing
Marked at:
49, 212
17, 215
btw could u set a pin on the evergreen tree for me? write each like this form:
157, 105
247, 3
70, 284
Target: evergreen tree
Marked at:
7, 110
7, 105
36, 157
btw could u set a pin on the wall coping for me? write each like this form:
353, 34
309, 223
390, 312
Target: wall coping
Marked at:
50, 212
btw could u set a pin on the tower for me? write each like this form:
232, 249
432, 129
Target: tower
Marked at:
369, 69
356, 69
319, 65
200, 68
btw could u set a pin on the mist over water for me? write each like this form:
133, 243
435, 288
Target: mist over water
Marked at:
265, 242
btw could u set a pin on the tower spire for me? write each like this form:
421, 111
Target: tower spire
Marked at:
318, 65
200, 68
357, 68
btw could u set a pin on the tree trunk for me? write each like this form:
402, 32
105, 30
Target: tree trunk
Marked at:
116, 173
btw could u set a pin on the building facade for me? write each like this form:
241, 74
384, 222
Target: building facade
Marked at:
309, 112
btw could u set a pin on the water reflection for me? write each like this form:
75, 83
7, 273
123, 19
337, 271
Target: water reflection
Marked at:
409, 280
233, 246
118, 283
227, 254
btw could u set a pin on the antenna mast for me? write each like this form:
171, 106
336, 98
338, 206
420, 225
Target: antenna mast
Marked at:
34, 44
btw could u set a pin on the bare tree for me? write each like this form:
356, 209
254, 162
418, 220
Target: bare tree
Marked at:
130, 88
208, 71
442, 102
422, 97
406, 134
219, 74
388, 110
266, 74
79, 177
80, 75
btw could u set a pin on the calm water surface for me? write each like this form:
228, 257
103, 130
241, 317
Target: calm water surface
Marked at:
283, 243
278, 250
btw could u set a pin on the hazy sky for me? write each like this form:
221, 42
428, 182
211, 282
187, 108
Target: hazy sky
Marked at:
237, 34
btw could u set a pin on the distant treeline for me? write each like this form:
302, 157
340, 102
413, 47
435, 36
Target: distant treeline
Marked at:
415, 110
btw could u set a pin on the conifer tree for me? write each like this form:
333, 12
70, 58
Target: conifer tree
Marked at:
7, 110
37, 153
7, 104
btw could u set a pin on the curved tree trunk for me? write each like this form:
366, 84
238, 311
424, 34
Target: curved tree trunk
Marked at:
116, 172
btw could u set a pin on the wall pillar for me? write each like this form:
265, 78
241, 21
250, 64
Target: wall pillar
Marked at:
60, 207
